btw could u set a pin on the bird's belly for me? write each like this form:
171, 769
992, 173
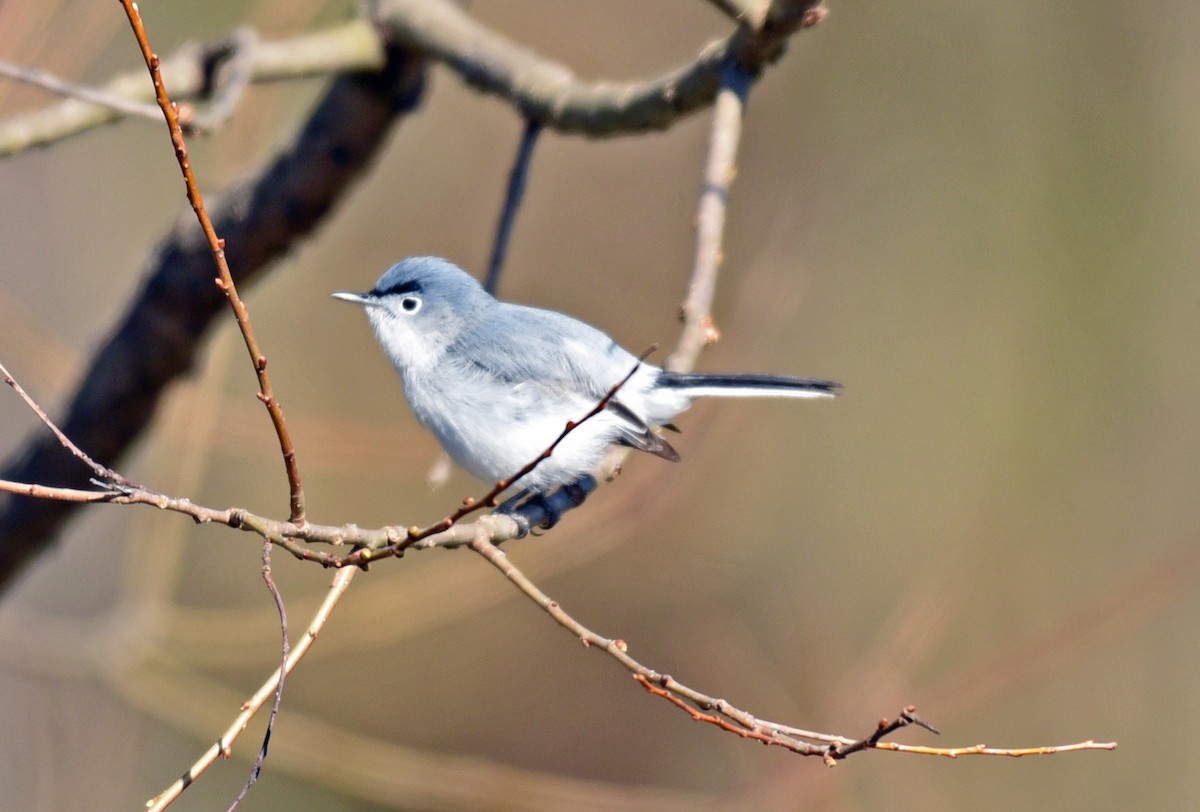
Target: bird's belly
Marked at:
508, 433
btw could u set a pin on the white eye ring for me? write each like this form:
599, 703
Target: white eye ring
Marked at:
410, 304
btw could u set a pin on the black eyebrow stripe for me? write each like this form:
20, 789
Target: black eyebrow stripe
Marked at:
408, 286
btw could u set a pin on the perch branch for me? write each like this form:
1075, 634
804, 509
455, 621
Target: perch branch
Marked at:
483, 536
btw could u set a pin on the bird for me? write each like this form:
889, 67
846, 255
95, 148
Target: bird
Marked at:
497, 382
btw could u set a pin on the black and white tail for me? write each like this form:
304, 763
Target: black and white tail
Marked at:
746, 385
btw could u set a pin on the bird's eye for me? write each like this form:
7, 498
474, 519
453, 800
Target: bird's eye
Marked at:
410, 304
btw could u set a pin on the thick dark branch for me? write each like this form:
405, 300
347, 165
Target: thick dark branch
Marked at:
158, 339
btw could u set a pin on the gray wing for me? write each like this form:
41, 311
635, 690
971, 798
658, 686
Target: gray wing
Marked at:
521, 345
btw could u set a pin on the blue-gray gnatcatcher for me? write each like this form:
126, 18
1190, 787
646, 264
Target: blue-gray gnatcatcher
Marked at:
496, 382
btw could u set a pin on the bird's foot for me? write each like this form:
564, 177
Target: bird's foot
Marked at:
532, 510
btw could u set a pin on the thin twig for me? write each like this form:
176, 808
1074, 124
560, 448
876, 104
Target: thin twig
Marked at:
97, 96
225, 282
256, 770
286, 534
102, 471
719, 172
224, 745
58, 494
482, 536
983, 750
512, 202
721, 713
344, 49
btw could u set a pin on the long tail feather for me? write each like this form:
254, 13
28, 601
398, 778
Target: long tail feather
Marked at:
732, 385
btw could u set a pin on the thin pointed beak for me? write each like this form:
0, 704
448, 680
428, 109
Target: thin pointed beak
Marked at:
356, 298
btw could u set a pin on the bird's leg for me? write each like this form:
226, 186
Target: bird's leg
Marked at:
530, 509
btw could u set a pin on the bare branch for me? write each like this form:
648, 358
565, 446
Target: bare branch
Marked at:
225, 283
349, 48
719, 172
543, 90
100, 98
550, 94
721, 713
482, 536
51, 493
256, 770
984, 750
224, 745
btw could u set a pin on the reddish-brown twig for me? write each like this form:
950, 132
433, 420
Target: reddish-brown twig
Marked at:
763, 735
718, 712
225, 279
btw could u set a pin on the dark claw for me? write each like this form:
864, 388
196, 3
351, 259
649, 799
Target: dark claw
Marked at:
536, 510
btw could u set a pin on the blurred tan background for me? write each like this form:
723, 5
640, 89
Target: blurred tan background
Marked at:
980, 217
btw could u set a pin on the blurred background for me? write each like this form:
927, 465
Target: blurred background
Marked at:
981, 218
